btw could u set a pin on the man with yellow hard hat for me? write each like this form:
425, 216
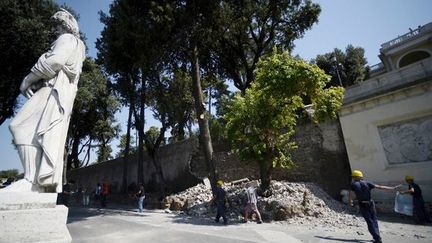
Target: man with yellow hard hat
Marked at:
362, 190
219, 198
421, 216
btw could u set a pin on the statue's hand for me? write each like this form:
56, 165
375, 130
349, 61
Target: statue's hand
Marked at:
26, 86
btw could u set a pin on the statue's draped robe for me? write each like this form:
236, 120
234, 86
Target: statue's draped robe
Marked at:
44, 119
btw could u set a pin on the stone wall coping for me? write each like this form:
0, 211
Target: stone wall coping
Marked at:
403, 77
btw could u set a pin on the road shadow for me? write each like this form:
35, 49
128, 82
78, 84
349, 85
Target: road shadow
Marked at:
342, 239
186, 219
396, 218
77, 213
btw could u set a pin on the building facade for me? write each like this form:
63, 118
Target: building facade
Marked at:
387, 119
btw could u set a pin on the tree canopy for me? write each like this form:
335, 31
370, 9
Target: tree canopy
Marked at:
92, 123
351, 65
25, 33
250, 29
260, 124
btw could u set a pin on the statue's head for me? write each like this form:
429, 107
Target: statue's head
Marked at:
66, 21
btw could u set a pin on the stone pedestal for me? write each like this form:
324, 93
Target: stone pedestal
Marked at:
32, 217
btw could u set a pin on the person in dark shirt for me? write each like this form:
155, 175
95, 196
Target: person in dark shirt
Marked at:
219, 198
141, 196
421, 216
362, 190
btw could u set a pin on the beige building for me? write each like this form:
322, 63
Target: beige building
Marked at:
387, 119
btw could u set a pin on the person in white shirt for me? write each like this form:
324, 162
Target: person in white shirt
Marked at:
251, 204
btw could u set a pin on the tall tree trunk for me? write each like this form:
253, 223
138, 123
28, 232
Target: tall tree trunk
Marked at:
266, 170
140, 122
204, 132
73, 156
126, 152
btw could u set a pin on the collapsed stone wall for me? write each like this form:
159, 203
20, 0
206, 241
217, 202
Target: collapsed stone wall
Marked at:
320, 158
292, 202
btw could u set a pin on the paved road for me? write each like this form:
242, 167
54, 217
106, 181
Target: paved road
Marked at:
126, 225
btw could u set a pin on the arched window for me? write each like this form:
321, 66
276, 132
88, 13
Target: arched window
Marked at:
413, 57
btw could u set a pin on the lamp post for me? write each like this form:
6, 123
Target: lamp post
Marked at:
336, 66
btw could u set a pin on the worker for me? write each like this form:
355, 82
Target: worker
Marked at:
251, 203
219, 198
362, 190
421, 216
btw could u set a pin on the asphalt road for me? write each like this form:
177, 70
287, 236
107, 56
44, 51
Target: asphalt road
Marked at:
124, 224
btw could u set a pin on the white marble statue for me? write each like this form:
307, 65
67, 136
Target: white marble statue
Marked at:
40, 128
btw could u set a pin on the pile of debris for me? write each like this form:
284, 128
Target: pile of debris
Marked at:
294, 203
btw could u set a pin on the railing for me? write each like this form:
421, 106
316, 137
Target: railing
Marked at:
376, 68
389, 81
408, 36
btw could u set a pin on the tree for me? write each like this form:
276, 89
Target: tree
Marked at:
181, 104
132, 48
13, 173
252, 28
352, 68
92, 118
261, 124
122, 146
25, 33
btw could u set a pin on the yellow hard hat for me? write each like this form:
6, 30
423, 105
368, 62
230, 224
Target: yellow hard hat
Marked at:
409, 178
220, 182
357, 173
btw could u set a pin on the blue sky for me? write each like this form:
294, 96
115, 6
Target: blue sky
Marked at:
364, 23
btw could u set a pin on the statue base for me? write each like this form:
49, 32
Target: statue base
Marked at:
26, 200
32, 217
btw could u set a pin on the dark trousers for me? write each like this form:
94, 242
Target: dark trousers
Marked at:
103, 200
420, 213
221, 212
369, 214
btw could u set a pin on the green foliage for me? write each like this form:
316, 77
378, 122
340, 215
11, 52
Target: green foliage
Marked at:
93, 115
260, 124
152, 135
104, 153
251, 29
25, 33
217, 130
328, 103
122, 146
352, 68
172, 102
9, 173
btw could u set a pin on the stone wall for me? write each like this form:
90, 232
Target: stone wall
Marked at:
174, 160
320, 158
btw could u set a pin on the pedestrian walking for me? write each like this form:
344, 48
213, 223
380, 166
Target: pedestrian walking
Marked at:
362, 190
97, 193
141, 196
85, 196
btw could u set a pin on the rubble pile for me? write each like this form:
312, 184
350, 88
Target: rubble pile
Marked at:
294, 203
